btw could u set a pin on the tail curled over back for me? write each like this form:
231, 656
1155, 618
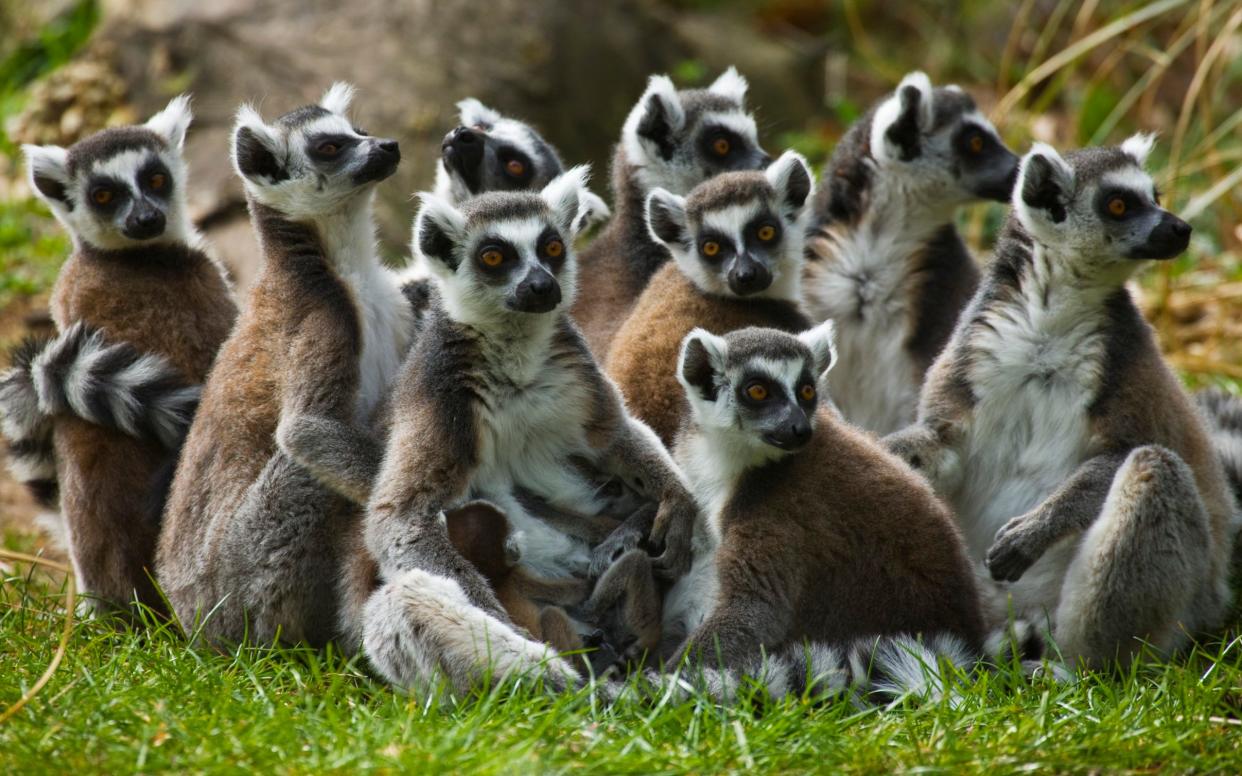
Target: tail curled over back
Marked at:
1223, 412
27, 428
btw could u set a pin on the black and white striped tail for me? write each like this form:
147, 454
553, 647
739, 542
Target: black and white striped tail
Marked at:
1223, 412
27, 428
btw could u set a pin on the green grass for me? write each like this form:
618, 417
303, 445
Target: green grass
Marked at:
126, 701
32, 248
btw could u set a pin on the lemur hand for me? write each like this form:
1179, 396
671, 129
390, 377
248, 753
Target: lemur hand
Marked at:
923, 450
1015, 549
626, 537
674, 528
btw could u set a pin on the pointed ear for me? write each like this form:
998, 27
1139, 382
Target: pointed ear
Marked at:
658, 118
337, 98
666, 218
1139, 146
731, 84
256, 152
564, 194
1045, 186
172, 122
593, 210
700, 362
790, 176
822, 341
902, 119
438, 230
48, 177
472, 113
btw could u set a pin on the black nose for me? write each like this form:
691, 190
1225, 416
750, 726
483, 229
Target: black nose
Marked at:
748, 277
144, 224
800, 431
1181, 229
537, 293
390, 146
542, 285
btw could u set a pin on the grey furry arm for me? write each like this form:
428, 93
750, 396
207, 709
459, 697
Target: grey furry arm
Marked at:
343, 457
928, 452
1072, 508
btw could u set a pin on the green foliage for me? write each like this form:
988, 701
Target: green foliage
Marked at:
32, 248
55, 45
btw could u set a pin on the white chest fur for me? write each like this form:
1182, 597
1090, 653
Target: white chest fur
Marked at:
386, 322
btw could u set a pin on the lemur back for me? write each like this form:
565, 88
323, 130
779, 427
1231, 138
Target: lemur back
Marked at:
138, 275
672, 140
737, 247
885, 260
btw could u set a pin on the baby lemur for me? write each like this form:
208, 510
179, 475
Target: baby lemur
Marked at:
812, 533
498, 392
1078, 468
672, 140
251, 536
885, 260
120, 194
737, 248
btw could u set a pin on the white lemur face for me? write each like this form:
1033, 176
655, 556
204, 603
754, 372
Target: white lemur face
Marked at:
504, 253
677, 140
740, 233
492, 152
121, 187
756, 389
1097, 205
312, 160
938, 140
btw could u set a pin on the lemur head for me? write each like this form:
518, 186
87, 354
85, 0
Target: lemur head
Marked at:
121, 187
492, 152
678, 139
312, 160
739, 233
754, 389
504, 253
936, 140
1097, 205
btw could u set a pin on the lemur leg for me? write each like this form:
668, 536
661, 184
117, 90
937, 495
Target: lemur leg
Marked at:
628, 605
344, 457
736, 632
274, 561
1140, 564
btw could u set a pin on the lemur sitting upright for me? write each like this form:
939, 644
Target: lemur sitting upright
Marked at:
1076, 464
737, 248
885, 260
498, 392
251, 536
142, 309
813, 535
672, 140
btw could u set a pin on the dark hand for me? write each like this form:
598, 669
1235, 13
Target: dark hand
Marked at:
1014, 550
674, 528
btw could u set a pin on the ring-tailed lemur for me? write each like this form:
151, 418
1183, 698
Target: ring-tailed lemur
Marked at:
251, 539
885, 260
104, 420
812, 532
1077, 466
672, 140
737, 247
499, 391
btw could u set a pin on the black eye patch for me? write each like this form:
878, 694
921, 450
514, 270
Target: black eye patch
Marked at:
515, 166
155, 180
714, 247
551, 249
105, 195
763, 232
329, 147
720, 145
1117, 204
496, 258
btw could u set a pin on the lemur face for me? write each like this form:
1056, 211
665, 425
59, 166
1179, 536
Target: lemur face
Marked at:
121, 187
938, 139
504, 252
1098, 204
758, 388
312, 160
676, 140
490, 152
740, 233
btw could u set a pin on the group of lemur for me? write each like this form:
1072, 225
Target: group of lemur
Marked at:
788, 434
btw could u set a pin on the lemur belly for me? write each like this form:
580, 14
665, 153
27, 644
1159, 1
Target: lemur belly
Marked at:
387, 324
1029, 432
864, 288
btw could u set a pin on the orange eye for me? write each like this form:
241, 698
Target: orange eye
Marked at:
976, 143
757, 392
767, 232
710, 248
329, 149
807, 392
514, 167
492, 257
101, 196
555, 248
158, 181
721, 146
1117, 206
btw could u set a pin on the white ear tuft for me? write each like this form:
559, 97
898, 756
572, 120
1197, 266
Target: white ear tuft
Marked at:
731, 84
702, 356
1139, 146
822, 341
902, 118
791, 177
472, 113
919, 80
1044, 187
564, 194
172, 122
438, 228
665, 213
593, 210
659, 111
337, 98
45, 168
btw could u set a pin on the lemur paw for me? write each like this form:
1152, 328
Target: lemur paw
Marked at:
1012, 552
607, 552
674, 532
